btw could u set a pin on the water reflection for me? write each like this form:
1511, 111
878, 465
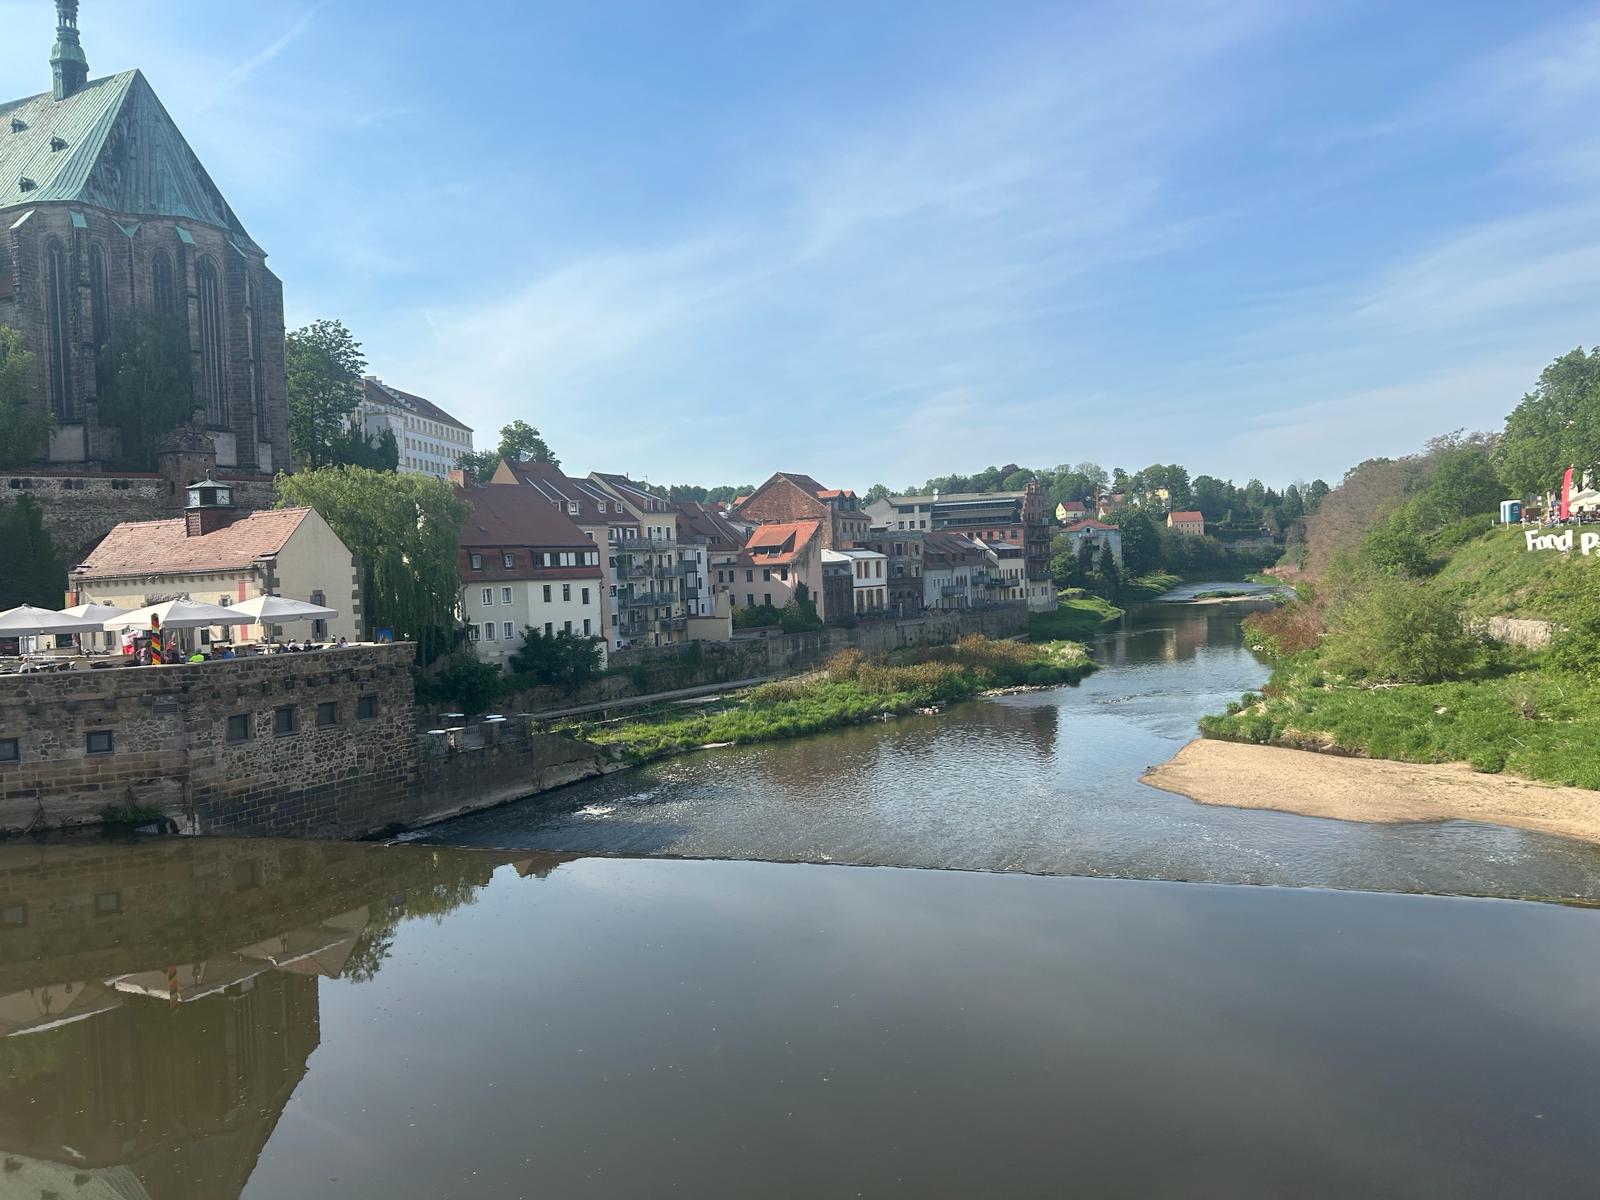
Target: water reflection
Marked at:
159, 1000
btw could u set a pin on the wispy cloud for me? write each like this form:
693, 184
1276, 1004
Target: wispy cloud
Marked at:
242, 71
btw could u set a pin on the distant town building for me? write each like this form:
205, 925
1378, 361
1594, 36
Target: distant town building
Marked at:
868, 575
1069, 511
902, 550
1094, 533
715, 542
524, 564
218, 554
1187, 522
955, 571
788, 497
430, 440
778, 559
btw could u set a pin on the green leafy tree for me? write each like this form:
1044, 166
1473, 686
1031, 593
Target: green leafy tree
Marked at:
1465, 483
1576, 646
1556, 426
324, 364
146, 383
1063, 562
23, 428
1398, 630
563, 659
406, 529
356, 449
520, 442
1141, 545
462, 679
800, 614
878, 491
1110, 573
31, 571
481, 463
1315, 491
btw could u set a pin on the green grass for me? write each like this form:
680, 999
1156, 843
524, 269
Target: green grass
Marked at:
1494, 574
1222, 594
1148, 587
1528, 720
852, 689
1077, 618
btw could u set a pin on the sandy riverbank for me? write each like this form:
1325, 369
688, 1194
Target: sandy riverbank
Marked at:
1363, 789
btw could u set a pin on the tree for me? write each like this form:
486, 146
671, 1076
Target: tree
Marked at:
1292, 508
324, 364
463, 679
1556, 426
878, 491
406, 530
1063, 562
356, 449
23, 428
1181, 495
1464, 484
480, 463
564, 660
1017, 480
800, 614
1110, 573
1141, 546
31, 571
1399, 630
1315, 492
520, 442
146, 383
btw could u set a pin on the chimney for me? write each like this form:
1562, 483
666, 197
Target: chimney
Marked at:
462, 478
67, 62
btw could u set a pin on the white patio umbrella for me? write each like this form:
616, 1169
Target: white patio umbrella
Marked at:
174, 614
279, 610
26, 619
94, 612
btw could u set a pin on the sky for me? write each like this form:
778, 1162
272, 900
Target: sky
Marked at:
878, 242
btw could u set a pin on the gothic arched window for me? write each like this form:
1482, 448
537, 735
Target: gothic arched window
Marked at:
213, 374
258, 367
99, 295
57, 299
162, 292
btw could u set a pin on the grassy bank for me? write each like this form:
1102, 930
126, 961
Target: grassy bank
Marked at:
1077, 618
1149, 587
1524, 719
850, 690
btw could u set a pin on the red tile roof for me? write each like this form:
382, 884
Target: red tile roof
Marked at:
560, 488
1088, 523
512, 514
162, 547
1174, 517
779, 545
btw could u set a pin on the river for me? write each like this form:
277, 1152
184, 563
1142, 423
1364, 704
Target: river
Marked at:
1044, 782
210, 1019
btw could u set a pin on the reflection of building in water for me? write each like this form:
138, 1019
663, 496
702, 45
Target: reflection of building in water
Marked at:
158, 1002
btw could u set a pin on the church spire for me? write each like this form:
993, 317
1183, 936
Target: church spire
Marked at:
67, 61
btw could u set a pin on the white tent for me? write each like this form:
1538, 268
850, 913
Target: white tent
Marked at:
174, 614
26, 619
279, 610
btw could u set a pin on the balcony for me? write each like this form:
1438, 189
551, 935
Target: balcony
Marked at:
641, 599
952, 589
673, 625
690, 591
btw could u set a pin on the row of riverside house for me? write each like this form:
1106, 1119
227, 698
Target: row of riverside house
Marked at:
604, 556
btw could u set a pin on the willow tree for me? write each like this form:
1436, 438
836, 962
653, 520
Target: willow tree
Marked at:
406, 530
23, 428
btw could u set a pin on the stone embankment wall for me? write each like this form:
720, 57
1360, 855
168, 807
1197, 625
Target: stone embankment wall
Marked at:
80, 509
751, 656
304, 745
1513, 631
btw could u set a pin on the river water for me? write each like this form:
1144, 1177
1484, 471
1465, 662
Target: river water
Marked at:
1044, 782
209, 1019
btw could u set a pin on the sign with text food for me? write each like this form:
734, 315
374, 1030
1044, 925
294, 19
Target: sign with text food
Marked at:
1587, 543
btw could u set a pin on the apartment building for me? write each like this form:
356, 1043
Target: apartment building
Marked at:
713, 542
869, 579
955, 571
1096, 534
429, 439
902, 551
651, 580
524, 564
776, 560
789, 497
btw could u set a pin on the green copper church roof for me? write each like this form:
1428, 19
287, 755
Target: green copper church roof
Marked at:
111, 145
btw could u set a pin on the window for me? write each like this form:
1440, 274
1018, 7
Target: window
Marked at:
99, 296
366, 708
213, 347
750, 599
162, 293
749, 576
766, 574
783, 574
98, 741
10, 750
509, 560
566, 627
58, 307
14, 916
239, 727
586, 630
327, 713
566, 591
505, 595
487, 596
476, 560
472, 633
547, 593
319, 627
613, 589
107, 904
767, 599
283, 720
549, 629
586, 595
490, 633
508, 632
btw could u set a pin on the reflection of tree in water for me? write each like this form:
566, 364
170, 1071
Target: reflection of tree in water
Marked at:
434, 898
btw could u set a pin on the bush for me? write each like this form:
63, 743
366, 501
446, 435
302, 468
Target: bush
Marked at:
1400, 631
462, 679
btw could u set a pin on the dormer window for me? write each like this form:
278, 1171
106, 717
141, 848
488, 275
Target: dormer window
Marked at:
476, 561
25, 184
58, 144
508, 560
18, 125
572, 507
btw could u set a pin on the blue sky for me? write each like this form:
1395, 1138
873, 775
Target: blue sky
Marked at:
881, 241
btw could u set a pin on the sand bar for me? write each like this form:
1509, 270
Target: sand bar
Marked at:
1363, 789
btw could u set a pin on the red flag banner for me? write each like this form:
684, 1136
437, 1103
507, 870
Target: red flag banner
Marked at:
1565, 510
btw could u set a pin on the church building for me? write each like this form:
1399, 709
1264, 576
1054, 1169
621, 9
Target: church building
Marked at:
105, 211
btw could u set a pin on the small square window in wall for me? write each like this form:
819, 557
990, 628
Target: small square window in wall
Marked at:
327, 714
14, 916
283, 720
107, 903
239, 727
10, 750
98, 741
366, 708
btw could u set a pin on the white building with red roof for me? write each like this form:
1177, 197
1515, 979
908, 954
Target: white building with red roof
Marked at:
1192, 523
1096, 533
430, 441
218, 554
777, 559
